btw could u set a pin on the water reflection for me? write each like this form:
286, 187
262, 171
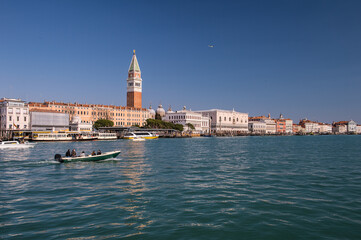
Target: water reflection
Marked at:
133, 170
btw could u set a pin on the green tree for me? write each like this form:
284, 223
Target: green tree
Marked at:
103, 123
159, 124
178, 127
190, 126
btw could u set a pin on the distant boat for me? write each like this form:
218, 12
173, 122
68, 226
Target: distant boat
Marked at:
145, 135
106, 136
88, 158
15, 144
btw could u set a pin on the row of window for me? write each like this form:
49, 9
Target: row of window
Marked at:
131, 84
17, 119
11, 126
230, 120
17, 110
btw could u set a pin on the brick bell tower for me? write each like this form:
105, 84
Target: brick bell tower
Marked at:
134, 84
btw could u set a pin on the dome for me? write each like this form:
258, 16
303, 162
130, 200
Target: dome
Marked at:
151, 111
160, 110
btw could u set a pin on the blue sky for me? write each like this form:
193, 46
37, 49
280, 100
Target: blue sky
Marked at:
299, 58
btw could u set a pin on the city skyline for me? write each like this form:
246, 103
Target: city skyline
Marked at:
301, 59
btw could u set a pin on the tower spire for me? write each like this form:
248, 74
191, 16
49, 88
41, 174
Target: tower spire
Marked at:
134, 66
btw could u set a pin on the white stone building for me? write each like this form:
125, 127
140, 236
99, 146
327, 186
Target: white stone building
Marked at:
351, 127
325, 128
225, 121
200, 122
14, 114
344, 127
289, 126
270, 123
258, 127
78, 126
358, 129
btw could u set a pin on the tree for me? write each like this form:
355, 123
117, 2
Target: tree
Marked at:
190, 126
159, 124
103, 123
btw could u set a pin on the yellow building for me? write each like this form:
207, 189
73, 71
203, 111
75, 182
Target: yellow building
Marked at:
89, 113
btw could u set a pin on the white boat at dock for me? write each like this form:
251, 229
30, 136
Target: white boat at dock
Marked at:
106, 136
145, 135
62, 136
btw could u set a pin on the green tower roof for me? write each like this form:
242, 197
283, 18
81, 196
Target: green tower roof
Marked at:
134, 66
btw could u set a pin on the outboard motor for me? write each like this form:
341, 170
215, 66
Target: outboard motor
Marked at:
58, 158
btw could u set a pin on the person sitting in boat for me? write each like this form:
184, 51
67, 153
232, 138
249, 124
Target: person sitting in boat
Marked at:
94, 153
99, 152
73, 153
68, 154
82, 154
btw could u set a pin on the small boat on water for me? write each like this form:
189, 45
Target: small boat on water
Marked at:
145, 135
15, 144
89, 158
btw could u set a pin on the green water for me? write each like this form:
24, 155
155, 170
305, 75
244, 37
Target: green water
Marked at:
296, 187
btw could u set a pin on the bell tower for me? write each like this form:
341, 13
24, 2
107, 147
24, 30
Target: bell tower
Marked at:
134, 84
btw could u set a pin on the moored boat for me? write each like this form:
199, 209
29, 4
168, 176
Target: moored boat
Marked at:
145, 135
106, 136
88, 158
62, 136
15, 144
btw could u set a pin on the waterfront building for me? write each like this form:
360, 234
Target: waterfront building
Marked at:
351, 126
48, 120
184, 117
284, 125
14, 114
134, 84
358, 129
90, 113
309, 126
339, 128
225, 121
257, 127
78, 126
325, 128
270, 123
296, 128
344, 127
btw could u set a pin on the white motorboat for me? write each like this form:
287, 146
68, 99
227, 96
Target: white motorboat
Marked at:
15, 144
144, 135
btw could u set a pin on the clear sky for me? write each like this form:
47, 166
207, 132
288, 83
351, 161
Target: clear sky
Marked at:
299, 58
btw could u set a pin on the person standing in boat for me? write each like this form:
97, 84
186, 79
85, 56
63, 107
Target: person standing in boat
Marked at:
73, 153
68, 154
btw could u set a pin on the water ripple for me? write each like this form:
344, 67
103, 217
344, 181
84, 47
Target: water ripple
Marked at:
204, 188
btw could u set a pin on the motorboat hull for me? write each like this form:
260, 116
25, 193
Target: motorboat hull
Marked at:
89, 158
